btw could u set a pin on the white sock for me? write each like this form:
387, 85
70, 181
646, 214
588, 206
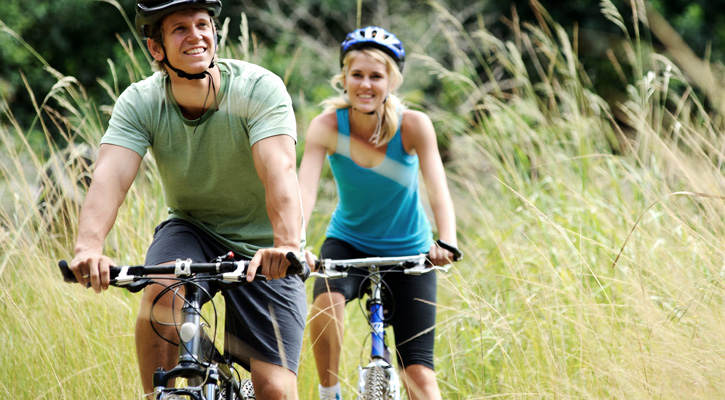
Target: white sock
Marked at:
332, 392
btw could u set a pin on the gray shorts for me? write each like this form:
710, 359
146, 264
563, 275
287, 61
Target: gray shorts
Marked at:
254, 312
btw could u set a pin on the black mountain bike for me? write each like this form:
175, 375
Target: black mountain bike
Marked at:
209, 374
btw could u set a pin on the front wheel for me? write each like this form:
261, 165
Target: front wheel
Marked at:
245, 391
375, 384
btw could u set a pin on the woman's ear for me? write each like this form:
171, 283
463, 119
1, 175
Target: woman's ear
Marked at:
155, 48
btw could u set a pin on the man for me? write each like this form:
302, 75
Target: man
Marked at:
223, 135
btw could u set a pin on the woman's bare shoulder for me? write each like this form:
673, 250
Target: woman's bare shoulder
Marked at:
323, 130
415, 119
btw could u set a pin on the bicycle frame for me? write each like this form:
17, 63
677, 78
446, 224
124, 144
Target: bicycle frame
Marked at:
379, 380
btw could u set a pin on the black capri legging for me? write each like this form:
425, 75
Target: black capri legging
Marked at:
409, 303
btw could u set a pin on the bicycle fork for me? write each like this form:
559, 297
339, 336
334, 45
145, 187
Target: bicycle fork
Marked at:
380, 354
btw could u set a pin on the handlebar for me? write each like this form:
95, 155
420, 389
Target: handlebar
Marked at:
411, 265
225, 271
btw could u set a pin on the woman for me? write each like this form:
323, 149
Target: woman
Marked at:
375, 147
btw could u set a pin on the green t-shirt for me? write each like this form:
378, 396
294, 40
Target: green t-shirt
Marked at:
208, 175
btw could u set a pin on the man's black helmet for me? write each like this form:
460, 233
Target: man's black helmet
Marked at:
148, 12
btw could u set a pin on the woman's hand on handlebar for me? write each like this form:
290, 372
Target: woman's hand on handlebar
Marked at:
440, 255
312, 260
91, 270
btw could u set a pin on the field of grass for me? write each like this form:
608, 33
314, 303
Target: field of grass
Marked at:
594, 245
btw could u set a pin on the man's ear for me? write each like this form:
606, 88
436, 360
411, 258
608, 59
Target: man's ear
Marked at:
155, 48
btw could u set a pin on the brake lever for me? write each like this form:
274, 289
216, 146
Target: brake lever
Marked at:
329, 274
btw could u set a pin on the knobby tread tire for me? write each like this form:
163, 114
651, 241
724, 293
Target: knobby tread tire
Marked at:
376, 384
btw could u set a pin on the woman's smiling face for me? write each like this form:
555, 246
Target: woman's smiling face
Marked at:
367, 83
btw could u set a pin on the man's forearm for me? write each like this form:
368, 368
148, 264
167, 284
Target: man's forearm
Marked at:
97, 217
284, 208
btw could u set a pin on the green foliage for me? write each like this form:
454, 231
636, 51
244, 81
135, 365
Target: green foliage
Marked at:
700, 23
73, 37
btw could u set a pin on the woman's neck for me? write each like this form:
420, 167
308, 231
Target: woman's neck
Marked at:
363, 125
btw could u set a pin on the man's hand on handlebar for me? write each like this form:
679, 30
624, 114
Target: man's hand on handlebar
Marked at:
273, 262
91, 270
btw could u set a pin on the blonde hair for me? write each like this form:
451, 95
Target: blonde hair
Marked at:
393, 106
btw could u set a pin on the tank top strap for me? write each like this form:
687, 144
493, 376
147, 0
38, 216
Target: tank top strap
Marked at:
343, 133
396, 150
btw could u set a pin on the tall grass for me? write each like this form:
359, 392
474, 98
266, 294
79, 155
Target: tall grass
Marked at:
545, 209
593, 244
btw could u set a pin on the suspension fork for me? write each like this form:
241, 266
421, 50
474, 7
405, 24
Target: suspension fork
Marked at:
375, 311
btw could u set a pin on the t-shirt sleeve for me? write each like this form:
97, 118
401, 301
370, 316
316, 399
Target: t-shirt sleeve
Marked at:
270, 110
126, 128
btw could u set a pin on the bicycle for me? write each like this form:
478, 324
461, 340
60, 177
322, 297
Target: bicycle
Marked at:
210, 375
378, 380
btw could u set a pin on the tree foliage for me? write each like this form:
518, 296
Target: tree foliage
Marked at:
299, 39
74, 37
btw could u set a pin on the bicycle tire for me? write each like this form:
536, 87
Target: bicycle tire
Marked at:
247, 390
376, 384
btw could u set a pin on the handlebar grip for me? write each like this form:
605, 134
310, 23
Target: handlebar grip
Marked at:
457, 253
297, 267
66, 272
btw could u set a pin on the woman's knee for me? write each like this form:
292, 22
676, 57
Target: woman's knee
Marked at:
327, 301
327, 311
417, 371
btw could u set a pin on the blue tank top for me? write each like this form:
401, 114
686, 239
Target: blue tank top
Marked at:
379, 210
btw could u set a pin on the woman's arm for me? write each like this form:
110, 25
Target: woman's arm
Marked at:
419, 136
321, 139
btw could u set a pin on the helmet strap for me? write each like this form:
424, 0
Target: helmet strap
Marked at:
182, 74
211, 89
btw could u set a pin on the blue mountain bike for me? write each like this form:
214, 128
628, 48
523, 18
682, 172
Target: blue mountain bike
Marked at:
378, 379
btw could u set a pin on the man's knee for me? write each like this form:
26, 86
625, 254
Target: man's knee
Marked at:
273, 381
